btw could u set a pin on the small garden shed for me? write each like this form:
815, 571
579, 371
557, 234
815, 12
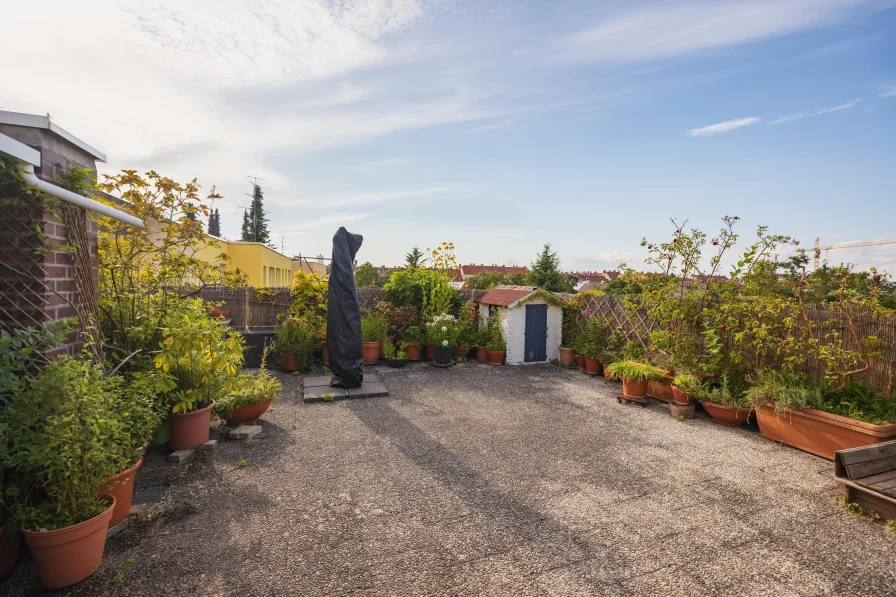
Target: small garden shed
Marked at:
531, 320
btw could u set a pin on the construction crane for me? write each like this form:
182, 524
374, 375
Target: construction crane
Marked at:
818, 248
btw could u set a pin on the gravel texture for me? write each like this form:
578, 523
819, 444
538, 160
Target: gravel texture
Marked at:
479, 480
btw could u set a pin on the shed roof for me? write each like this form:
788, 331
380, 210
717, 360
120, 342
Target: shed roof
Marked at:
504, 295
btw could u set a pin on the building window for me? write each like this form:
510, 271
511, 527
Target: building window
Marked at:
264, 274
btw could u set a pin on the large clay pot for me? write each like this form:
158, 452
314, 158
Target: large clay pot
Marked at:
567, 356
580, 362
324, 354
413, 351
461, 353
245, 415
189, 430
70, 554
679, 396
495, 357
444, 354
9, 555
592, 365
634, 389
481, 354
729, 417
370, 352
288, 357
221, 313
121, 487
430, 350
818, 432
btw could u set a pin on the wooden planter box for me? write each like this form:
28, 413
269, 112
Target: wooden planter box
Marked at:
818, 432
867, 477
661, 390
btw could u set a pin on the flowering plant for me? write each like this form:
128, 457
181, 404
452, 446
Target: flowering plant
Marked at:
443, 330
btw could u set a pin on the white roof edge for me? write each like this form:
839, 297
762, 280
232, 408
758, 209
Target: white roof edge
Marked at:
44, 122
19, 151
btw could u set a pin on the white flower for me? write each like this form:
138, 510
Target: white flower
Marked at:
444, 342
444, 329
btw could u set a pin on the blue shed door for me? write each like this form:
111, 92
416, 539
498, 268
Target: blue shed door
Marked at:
536, 333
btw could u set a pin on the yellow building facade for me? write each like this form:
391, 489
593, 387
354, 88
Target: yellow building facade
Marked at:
262, 265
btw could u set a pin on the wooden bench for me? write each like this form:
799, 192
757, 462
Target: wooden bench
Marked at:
867, 476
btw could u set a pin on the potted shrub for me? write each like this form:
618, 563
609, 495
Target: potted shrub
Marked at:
442, 331
321, 336
593, 343
374, 331
413, 338
725, 401
60, 468
395, 357
496, 347
815, 416
463, 343
204, 359
296, 340
249, 396
683, 387
634, 377
480, 340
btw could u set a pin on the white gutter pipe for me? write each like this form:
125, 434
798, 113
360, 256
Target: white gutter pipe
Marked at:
80, 201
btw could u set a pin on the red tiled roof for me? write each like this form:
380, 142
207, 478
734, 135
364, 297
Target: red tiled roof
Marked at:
473, 269
505, 295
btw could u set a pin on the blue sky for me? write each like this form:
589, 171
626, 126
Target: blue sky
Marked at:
496, 125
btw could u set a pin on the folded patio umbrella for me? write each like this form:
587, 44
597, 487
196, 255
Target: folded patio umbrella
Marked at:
344, 313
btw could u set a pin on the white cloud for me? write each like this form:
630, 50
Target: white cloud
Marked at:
329, 220
345, 200
615, 257
389, 162
890, 93
672, 29
723, 127
797, 116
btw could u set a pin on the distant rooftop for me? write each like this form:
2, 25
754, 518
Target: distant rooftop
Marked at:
44, 122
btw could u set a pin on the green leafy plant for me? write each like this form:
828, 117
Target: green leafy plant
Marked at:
443, 330
22, 351
851, 507
297, 335
594, 337
413, 335
202, 355
496, 342
374, 328
248, 389
687, 382
393, 352
634, 371
729, 391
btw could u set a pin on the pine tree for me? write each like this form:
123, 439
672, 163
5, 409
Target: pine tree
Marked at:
545, 272
246, 234
255, 226
214, 223
414, 258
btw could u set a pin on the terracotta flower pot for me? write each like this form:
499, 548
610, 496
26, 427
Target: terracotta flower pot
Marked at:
396, 363
680, 396
481, 354
461, 353
189, 430
634, 389
243, 415
71, 554
444, 354
592, 365
818, 432
729, 417
430, 350
370, 352
221, 313
290, 363
121, 487
413, 351
567, 356
324, 354
495, 357
580, 362
9, 555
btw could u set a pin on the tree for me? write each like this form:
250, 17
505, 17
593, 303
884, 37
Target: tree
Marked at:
255, 222
414, 258
367, 275
485, 280
545, 272
214, 223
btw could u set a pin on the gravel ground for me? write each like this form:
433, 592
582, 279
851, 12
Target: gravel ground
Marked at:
479, 480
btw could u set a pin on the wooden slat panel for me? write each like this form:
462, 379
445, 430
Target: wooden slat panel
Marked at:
875, 479
872, 467
864, 453
884, 486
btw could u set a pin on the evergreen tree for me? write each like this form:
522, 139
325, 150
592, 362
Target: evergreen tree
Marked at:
414, 258
257, 219
246, 233
545, 272
214, 223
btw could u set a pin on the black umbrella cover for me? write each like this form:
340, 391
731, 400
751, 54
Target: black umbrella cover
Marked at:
344, 313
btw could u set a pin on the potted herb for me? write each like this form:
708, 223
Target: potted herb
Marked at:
725, 401
634, 377
480, 340
204, 359
593, 343
249, 396
395, 357
496, 347
60, 468
442, 331
412, 340
374, 331
683, 387
296, 341
463, 343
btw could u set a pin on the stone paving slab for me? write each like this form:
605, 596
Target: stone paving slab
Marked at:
368, 389
245, 432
